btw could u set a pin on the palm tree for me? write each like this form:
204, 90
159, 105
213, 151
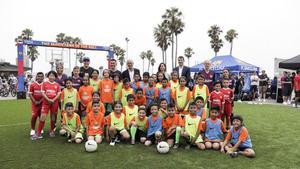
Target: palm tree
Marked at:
188, 52
60, 37
32, 54
143, 56
149, 56
179, 25
152, 63
80, 56
162, 38
216, 43
173, 18
230, 35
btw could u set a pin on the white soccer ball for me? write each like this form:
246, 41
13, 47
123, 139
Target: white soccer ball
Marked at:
163, 147
91, 146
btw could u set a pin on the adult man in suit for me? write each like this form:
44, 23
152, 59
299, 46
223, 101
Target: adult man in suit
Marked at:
183, 70
130, 71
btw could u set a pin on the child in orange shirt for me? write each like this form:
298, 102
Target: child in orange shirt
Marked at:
172, 125
125, 91
213, 129
238, 140
163, 108
138, 126
96, 98
84, 96
71, 124
95, 123
140, 99
116, 125
106, 88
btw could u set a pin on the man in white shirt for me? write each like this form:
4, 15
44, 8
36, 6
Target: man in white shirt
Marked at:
183, 70
130, 71
254, 80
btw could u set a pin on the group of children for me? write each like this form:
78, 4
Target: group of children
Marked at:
146, 111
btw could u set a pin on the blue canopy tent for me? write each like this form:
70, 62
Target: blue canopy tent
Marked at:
235, 65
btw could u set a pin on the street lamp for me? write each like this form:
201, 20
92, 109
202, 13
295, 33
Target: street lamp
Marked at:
127, 40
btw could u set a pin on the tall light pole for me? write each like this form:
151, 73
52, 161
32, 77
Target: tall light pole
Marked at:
127, 40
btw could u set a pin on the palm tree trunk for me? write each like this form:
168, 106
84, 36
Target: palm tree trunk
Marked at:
76, 57
216, 53
143, 65
176, 51
231, 48
163, 57
172, 38
149, 64
189, 61
31, 66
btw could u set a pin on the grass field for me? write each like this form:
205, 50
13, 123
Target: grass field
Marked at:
274, 131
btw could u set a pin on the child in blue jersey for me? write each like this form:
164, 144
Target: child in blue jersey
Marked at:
165, 91
154, 126
201, 110
213, 129
238, 140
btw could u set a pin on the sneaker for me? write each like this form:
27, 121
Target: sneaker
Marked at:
42, 132
264, 100
284, 103
239, 101
32, 132
288, 102
187, 147
250, 102
69, 141
294, 105
112, 142
259, 100
36, 137
176, 146
52, 134
233, 155
132, 141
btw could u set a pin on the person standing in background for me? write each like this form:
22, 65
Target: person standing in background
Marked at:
263, 85
208, 74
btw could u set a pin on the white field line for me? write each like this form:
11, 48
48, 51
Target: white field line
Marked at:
16, 124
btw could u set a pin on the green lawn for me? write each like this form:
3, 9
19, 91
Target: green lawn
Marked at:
274, 132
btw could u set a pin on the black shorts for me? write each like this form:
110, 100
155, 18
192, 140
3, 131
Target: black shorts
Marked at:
151, 138
253, 88
172, 136
139, 134
286, 91
297, 93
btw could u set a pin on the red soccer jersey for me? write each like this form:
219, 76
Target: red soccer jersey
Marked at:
35, 90
228, 94
50, 89
297, 81
216, 99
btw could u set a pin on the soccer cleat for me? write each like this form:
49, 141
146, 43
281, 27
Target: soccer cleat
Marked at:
69, 140
112, 142
117, 139
32, 132
239, 101
36, 137
52, 134
132, 141
42, 131
176, 146
233, 155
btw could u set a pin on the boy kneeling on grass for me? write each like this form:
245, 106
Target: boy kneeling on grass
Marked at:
71, 125
238, 140
116, 125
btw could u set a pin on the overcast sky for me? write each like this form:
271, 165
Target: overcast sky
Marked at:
267, 29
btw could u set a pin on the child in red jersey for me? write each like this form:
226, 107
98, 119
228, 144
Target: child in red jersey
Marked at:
228, 97
36, 98
216, 98
51, 92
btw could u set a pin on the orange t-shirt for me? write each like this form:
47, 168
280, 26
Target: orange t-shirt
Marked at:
140, 101
243, 136
85, 94
94, 123
106, 90
78, 122
89, 108
176, 120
